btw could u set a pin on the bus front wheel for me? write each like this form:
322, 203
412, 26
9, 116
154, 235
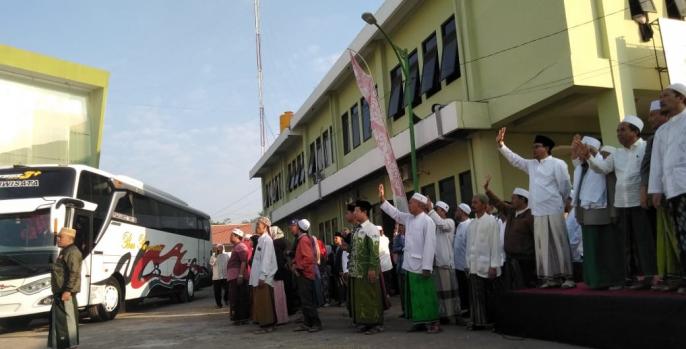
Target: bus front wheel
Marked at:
111, 305
187, 292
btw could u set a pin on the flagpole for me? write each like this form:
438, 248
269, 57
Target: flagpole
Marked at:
404, 61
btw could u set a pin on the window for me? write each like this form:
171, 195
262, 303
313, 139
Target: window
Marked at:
637, 7
446, 190
429, 191
450, 62
466, 193
98, 190
395, 105
430, 81
125, 205
321, 161
312, 164
327, 232
146, 211
676, 9
328, 152
346, 134
414, 78
355, 124
366, 120
301, 168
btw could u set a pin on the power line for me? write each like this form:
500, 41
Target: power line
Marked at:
236, 201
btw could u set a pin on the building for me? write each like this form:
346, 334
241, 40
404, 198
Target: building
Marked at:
570, 66
52, 111
222, 232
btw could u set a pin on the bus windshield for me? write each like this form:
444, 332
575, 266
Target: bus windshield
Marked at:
27, 247
35, 182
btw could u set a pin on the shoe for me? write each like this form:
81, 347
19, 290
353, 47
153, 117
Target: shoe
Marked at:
314, 329
374, 330
417, 328
550, 284
264, 330
568, 284
433, 329
639, 286
615, 288
302, 328
681, 290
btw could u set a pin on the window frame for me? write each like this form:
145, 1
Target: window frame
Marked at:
431, 82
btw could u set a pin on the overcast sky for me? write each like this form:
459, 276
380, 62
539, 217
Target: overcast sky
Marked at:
182, 107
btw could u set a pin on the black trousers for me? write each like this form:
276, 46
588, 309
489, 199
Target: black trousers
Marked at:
239, 299
640, 248
463, 288
219, 286
308, 301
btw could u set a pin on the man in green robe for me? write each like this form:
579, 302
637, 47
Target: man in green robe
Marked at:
364, 272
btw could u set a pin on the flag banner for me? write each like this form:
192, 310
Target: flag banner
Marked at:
367, 87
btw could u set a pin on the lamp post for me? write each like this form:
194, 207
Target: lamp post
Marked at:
404, 61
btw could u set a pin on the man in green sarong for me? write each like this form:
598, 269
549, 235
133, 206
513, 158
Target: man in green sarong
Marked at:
364, 272
421, 300
66, 283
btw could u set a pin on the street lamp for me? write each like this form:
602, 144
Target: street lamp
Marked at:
404, 61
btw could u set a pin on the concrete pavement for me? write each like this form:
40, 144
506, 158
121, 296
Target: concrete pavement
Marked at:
160, 324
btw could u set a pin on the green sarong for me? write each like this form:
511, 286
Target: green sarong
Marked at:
667, 245
421, 300
603, 256
366, 302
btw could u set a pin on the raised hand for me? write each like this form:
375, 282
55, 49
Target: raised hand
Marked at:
500, 139
382, 193
488, 181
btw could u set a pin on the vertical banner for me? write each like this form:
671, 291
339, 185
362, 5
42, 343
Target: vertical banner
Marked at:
673, 33
366, 85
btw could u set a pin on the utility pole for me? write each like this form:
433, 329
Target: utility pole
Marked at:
258, 49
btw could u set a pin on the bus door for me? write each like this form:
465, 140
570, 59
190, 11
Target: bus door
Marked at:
83, 224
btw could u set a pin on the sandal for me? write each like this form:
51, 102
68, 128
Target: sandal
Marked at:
301, 328
374, 330
434, 329
264, 330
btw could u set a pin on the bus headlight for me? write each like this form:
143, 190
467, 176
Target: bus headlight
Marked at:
46, 301
35, 287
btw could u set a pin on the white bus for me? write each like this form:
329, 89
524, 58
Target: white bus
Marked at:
136, 241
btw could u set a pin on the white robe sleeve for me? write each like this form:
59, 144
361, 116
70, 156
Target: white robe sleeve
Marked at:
514, 159
344, 261
269, 265
400, 217
562, 178
655, 178
604, 166
444, 226
429, 244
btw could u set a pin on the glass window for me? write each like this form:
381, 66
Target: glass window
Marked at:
312, 166
146, 211
44, 125
450, 68
366, 120
321, 161
346, 134
429, 190
35, 182
301, 168
676, 9
414, 78
395, 104
98, 190
446, 190
355, 125
326, 143
430, 81
466, 193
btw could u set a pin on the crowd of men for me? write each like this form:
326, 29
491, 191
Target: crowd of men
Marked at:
628, 203
618, 222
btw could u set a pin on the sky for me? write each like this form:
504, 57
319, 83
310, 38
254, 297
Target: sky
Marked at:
182, 109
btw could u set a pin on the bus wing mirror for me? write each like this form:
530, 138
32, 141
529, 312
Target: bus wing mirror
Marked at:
76, 203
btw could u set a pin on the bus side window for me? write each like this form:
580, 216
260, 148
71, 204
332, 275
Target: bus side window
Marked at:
124, 206
98, 190
82, 225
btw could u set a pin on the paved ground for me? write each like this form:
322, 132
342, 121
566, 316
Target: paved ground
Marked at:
160, 324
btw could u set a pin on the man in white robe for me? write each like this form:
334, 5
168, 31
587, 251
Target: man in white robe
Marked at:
549, 187
264, 267
418, 259
446, 281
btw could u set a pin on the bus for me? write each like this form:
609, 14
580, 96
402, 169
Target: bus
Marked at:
137, 241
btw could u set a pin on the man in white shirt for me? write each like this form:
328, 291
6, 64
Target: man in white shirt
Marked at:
632, 220
219, 262
483, 263
420, 248
668, 164
459, 247
549, 188
444, 275
264, 266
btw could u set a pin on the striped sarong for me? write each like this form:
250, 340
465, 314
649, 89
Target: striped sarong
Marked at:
447, 291
64, 323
